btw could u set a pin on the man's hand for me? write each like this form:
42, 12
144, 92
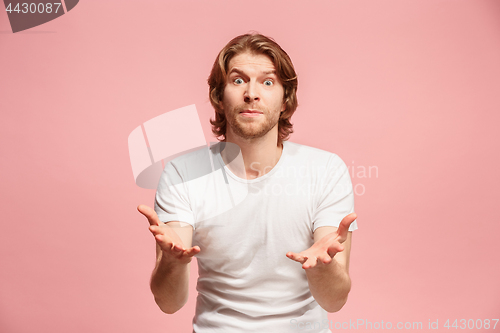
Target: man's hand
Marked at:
169, 242
322, 252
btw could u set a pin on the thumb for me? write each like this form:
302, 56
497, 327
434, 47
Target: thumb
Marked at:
344, 226
149, 213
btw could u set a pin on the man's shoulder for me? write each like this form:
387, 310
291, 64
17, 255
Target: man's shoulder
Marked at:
191, 156
311, 154
190, 165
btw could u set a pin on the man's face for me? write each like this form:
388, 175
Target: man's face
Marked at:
253, 96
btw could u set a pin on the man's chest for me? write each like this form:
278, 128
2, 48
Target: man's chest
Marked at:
260, 221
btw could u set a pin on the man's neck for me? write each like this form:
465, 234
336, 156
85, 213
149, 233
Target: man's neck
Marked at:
260, 155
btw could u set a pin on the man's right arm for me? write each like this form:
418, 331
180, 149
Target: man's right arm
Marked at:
170, 277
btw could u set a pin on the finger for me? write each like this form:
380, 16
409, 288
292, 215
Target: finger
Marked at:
310, 263
325, 259
192, 251
296, 257
344, 226
156, 230
335, 248
165, 243
177, 248
150, 214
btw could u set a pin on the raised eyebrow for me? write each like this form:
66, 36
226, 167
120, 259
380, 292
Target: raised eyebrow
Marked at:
236, 70
240, 72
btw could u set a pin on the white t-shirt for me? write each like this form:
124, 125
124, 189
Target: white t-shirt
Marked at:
245, 227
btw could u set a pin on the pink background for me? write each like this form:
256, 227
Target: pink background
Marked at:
408, 87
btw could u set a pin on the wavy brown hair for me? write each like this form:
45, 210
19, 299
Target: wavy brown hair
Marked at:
257, 44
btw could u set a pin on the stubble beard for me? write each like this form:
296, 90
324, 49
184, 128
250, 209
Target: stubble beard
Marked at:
252, 128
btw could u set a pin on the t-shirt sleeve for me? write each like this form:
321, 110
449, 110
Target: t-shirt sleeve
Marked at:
335, 199
172, 197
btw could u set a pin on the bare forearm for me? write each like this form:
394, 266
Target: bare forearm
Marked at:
329, 285
170, 285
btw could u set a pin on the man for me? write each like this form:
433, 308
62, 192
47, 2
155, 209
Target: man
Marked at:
287, 200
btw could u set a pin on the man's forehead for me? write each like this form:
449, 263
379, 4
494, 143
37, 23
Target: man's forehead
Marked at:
253, 60
242, 71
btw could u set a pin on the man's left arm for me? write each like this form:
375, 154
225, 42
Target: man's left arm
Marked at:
327, 264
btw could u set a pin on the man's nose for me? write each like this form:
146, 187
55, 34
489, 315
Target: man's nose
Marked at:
251, 92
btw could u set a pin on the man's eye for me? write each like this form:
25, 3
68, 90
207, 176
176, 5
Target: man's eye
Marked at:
238, 81
268, 83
